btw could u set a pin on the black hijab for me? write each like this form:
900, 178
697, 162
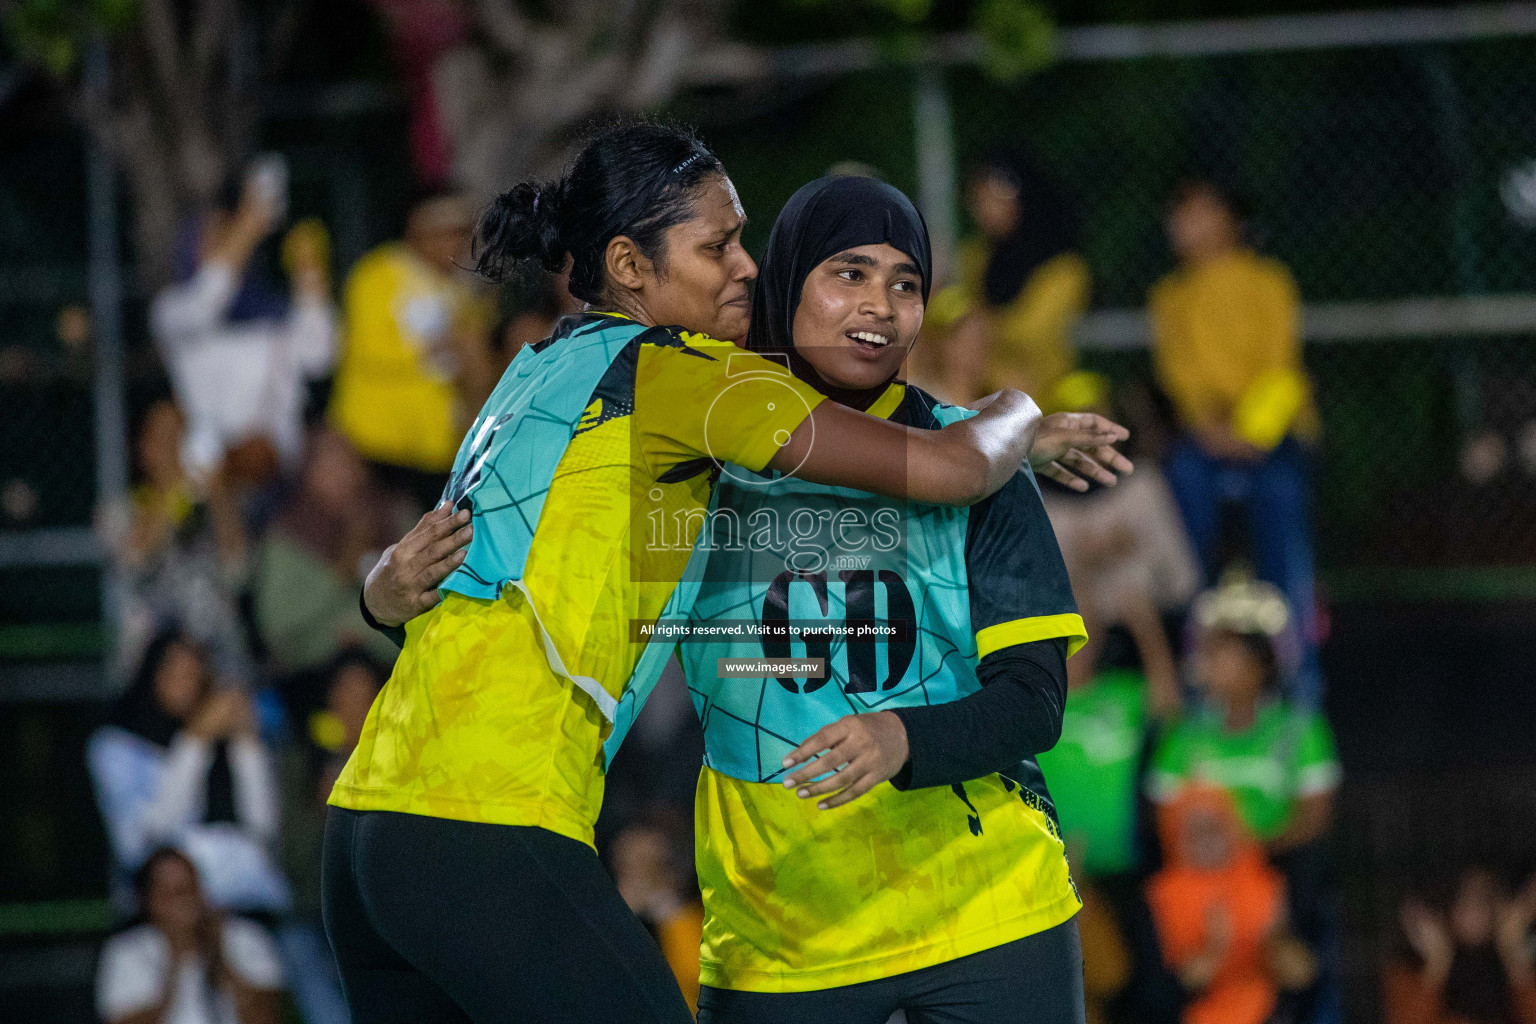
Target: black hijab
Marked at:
139, 711
1047, 225
824, 218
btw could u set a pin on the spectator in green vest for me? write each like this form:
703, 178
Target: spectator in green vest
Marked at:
1275, 758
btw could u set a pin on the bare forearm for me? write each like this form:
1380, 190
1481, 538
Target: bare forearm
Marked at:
1002, 433
1156, 654
958, 465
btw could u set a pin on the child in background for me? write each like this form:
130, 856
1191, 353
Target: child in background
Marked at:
1274, 757
1220, 913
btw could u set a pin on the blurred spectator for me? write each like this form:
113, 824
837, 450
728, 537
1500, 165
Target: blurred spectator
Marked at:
1220, 913
1022, 286
1226, 329
1093, 768
1094, 773
417, 351
310, 766
1274, 757
186, 964
181, 763
179, 549
1473, 966
355, 681
648, 858
239, 354
349, 685
313, 560
1124, 544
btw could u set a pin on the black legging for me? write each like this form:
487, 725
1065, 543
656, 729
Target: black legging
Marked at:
435, 920
1034, 980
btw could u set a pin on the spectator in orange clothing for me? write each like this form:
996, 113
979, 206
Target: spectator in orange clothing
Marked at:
1472, 966
647, 859
1220, 914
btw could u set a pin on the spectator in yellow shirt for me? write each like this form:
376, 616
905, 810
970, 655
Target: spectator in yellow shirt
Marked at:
1022, 287
1226, 328
416, 352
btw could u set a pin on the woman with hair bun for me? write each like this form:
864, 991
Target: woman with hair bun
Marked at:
460, 878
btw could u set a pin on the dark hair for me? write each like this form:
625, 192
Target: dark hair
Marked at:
633, 178
1261, 648
1048, 225
350, 656
146, 872
211, 946
138, 710
1220, 187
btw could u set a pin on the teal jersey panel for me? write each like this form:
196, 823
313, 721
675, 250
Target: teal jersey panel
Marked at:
876, 588
508, 459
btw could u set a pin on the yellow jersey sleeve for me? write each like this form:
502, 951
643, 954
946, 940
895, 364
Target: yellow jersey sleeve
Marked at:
698, 398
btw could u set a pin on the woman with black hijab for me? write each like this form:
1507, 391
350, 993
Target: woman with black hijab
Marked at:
180, 763
941, 637
1022, 285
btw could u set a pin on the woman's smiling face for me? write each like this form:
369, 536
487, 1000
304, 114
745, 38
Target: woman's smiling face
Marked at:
859, 313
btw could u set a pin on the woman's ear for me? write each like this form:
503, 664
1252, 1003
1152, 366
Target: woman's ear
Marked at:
626, 264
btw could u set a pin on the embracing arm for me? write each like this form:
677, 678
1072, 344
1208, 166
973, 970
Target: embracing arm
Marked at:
960, 464
403, 583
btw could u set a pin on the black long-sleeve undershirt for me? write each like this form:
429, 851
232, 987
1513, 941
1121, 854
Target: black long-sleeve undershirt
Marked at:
1015, 715
395, 633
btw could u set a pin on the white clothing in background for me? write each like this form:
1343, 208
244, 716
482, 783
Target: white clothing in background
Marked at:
133, 973
236, 381
152, 796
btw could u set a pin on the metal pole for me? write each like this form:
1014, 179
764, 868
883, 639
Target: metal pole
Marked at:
106, 296
933, 132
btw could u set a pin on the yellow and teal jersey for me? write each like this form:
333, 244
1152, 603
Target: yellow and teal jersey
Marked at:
900, 602
477, 723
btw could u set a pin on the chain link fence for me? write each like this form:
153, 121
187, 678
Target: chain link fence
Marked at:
1396, 179
1380, 176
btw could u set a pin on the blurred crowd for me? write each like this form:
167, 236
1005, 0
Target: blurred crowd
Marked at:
302, 429
306, 427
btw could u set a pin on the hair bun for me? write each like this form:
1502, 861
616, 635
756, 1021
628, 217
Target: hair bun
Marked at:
521, 225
